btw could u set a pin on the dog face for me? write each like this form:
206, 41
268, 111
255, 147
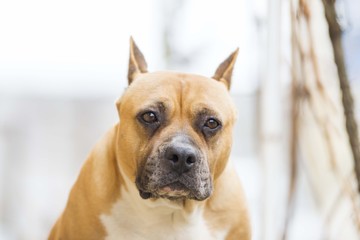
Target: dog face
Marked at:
175, 130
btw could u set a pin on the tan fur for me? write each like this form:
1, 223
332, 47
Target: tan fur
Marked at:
106, 182
224, 72
97, 186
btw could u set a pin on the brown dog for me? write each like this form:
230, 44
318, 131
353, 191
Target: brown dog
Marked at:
163, 171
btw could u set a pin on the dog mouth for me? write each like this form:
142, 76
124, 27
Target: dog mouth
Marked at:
172, 191
173, 186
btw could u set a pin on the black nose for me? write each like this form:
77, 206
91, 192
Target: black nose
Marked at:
181, 158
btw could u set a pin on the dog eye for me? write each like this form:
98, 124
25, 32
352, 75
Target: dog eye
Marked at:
212, 123
149, 117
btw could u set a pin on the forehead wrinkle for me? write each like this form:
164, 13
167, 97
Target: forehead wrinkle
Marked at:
181, 92
157, 104
205, 109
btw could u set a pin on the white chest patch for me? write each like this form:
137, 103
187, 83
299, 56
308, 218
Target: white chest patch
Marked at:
134, 218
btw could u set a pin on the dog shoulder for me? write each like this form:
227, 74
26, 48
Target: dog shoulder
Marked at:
227, 207
99, 180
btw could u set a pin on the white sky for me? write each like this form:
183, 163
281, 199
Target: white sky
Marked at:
71, 46
80, 48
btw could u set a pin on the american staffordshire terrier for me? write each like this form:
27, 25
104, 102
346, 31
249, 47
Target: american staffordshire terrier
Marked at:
162, 172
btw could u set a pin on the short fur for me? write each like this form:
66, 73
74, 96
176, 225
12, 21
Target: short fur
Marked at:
126, 189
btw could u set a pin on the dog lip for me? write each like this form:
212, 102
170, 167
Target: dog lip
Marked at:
175, 186
145, 195
174, 190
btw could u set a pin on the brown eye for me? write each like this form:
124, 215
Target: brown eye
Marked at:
212, 123
149, 117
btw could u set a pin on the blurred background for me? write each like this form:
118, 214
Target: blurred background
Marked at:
63, 64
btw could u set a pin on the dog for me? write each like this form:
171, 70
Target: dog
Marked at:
163, 171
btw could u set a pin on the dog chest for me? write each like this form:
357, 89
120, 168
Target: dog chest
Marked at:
125, 222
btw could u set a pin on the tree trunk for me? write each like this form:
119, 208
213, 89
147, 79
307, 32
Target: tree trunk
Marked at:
323, 139
347, 99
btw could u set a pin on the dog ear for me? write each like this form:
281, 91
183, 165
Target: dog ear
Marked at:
224, 71
137, 63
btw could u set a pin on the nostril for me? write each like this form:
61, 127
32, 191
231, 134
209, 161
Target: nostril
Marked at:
174, 158
180, 158
190, 161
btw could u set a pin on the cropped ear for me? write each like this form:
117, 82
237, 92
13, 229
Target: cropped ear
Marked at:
137, 63
224, 71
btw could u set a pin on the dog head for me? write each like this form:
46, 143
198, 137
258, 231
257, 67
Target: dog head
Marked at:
175, 129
